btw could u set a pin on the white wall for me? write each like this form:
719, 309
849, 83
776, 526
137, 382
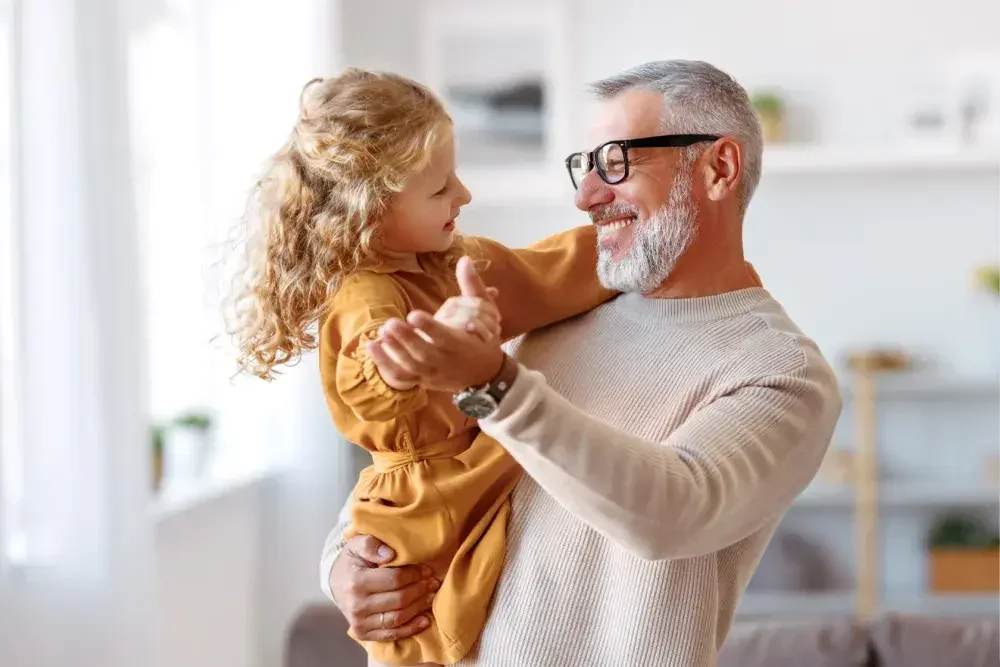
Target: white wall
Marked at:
856, 63
852, 69
208, 584
299, 508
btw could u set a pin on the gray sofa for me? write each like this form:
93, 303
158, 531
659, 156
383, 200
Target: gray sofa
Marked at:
318, 638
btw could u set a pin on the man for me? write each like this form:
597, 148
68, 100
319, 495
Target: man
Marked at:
663, 434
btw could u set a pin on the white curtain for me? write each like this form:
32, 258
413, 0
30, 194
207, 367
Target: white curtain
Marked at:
75, 544
77, 558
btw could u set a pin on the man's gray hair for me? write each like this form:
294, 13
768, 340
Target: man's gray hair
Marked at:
698, 98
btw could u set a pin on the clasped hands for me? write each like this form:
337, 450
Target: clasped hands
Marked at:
457, 347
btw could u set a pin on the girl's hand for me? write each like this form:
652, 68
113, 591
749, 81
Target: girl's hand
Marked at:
472, 314
443, 357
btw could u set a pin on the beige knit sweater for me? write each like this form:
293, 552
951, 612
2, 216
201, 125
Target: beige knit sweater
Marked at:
663, 439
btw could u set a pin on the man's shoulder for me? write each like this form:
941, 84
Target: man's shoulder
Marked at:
776, 345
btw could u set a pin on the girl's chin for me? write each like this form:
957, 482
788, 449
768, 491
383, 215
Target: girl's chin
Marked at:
446, 241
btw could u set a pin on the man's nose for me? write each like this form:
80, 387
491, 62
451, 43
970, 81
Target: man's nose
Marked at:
592, 191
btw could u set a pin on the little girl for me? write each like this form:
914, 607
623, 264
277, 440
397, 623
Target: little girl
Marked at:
356, 225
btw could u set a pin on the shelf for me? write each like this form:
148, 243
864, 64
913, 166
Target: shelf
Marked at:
790, 604
926, 386
812, 158
181, 498
904, 494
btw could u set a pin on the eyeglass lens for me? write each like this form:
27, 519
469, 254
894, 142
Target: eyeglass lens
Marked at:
610, 164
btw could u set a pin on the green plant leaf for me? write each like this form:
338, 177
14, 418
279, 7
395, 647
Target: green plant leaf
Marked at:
156, 434
768, 103
959, 531
199, 420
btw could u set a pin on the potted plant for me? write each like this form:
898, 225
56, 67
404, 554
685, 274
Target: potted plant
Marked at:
770, 110
187, 443
988, 278
156, 434
964, 555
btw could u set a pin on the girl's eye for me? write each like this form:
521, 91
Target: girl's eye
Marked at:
441, 191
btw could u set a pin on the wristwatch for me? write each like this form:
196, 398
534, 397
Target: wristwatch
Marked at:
482, 401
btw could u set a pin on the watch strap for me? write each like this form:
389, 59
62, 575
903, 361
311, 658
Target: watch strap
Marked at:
500, 385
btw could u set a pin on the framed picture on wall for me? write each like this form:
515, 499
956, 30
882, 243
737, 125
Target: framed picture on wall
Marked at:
502, 72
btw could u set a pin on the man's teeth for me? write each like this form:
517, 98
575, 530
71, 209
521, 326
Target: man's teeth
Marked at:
619, 224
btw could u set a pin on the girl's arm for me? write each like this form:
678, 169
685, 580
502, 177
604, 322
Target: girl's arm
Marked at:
544, 283
360, 307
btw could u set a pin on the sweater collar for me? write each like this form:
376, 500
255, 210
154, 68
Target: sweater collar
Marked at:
700, 309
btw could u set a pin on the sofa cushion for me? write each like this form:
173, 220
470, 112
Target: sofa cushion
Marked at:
901, 640
835, 643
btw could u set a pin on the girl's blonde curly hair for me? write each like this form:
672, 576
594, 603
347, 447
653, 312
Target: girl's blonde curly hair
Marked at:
312, 218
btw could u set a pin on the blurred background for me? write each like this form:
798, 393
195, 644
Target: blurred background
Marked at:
156, 511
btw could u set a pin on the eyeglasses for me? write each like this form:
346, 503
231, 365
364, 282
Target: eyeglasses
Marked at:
611, 158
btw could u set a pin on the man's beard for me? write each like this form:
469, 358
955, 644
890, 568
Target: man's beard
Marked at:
657, 242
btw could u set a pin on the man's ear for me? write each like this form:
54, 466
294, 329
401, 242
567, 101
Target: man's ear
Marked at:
722, 168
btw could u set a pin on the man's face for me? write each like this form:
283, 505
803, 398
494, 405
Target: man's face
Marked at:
646, 222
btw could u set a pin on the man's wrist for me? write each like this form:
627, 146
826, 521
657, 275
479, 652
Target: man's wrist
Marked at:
328, 564
501, 382
492, 370
482, 400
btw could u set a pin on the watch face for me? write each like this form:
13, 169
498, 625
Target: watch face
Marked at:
477, 405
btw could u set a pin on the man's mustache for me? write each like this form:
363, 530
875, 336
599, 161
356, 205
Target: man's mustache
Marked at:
612, 210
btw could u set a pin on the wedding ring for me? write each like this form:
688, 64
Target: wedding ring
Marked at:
381, 619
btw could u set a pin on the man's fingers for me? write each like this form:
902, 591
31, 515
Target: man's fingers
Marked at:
438, 332
402, 356
369, 549
415, 625
366, 586
469, 281
420, 592
399, 617
416, 348
389, 367
389, 611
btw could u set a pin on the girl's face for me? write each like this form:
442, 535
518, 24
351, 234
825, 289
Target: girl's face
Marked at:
421, 218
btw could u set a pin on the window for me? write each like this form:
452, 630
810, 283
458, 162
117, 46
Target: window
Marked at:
208, 105
11, 460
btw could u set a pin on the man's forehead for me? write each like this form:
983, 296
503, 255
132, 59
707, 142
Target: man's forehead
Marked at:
632, 114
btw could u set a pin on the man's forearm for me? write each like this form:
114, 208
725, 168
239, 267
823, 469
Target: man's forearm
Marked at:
332, 547
726, 470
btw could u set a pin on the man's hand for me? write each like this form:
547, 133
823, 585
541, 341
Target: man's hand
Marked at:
443, 358
380, 604
393, 374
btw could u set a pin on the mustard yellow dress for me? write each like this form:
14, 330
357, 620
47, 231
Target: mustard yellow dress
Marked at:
438, 491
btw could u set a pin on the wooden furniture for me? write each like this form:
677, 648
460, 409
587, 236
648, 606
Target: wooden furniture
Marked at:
866, 366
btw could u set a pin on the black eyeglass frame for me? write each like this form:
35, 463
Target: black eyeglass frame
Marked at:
661, 141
